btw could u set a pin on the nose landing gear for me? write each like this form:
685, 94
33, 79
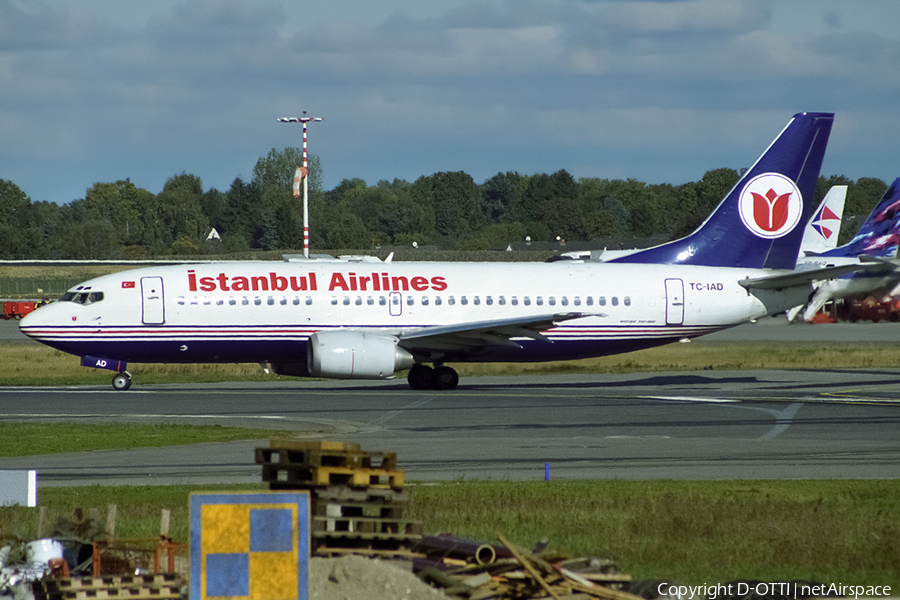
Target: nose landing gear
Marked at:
121, 381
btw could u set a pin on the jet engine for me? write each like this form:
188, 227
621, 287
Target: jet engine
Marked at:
355, 355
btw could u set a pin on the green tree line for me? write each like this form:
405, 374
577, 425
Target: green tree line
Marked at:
447, 209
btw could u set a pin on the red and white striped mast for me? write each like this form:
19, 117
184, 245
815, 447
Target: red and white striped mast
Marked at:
301, 175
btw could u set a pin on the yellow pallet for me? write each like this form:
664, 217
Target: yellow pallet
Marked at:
329, 476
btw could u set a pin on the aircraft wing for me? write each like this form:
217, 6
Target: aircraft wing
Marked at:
795, 278
462, 336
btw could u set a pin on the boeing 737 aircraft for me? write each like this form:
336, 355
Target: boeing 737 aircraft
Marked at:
342, 319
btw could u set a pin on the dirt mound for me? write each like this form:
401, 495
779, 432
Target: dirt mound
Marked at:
358, 578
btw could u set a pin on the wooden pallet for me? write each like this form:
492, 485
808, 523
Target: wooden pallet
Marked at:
305, 476
157, 586
367, 525
350, 541
327, 508
324, 454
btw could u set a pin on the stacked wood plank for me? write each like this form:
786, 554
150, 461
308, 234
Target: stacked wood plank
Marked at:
357, 499
155, 587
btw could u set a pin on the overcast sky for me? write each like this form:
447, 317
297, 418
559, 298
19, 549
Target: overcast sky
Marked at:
101, 90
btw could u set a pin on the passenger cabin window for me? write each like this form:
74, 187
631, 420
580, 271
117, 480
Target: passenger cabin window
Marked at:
626, 300
615, 301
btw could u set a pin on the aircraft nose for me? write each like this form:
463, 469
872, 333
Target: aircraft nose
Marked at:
34, 319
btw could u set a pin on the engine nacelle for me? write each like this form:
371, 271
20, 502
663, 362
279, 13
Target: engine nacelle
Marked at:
355, 355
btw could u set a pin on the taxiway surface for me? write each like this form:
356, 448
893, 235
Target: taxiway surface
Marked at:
694, 425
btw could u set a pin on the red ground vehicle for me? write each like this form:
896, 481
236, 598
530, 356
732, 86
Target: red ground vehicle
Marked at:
17, 310
870, 309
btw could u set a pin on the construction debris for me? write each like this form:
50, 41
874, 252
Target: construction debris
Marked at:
357, 504
528, 575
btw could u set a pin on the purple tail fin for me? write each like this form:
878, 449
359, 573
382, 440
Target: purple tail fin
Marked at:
760, 222
880, 234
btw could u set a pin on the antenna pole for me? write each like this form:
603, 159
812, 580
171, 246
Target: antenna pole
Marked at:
303, 173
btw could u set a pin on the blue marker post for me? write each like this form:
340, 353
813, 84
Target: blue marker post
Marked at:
546, 471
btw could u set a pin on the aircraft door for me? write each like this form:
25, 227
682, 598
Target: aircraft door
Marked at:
153, 310
395, 302
674, 302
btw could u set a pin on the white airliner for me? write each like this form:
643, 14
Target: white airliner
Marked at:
344, 319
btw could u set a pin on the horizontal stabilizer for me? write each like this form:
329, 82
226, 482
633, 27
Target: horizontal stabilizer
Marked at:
798, 278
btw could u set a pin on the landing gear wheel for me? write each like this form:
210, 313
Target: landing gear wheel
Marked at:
421, 377
121, 381
445, 378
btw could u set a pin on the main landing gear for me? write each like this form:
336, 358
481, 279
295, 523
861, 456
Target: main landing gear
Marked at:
423, 377
121, 381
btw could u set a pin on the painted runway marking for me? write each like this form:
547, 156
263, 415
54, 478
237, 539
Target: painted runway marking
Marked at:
689, 399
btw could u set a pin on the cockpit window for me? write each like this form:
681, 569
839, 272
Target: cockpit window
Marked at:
82, 297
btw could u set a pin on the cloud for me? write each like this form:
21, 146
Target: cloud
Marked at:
528, 85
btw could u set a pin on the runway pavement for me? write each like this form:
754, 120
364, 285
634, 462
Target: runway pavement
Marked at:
696, 425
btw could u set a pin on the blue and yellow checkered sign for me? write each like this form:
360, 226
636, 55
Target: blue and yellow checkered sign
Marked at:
252, 546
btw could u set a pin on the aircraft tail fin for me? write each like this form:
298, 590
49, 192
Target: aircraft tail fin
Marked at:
823, 228
880, 233
759, 223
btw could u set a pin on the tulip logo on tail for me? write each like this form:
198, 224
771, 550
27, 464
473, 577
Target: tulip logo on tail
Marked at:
770, 205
